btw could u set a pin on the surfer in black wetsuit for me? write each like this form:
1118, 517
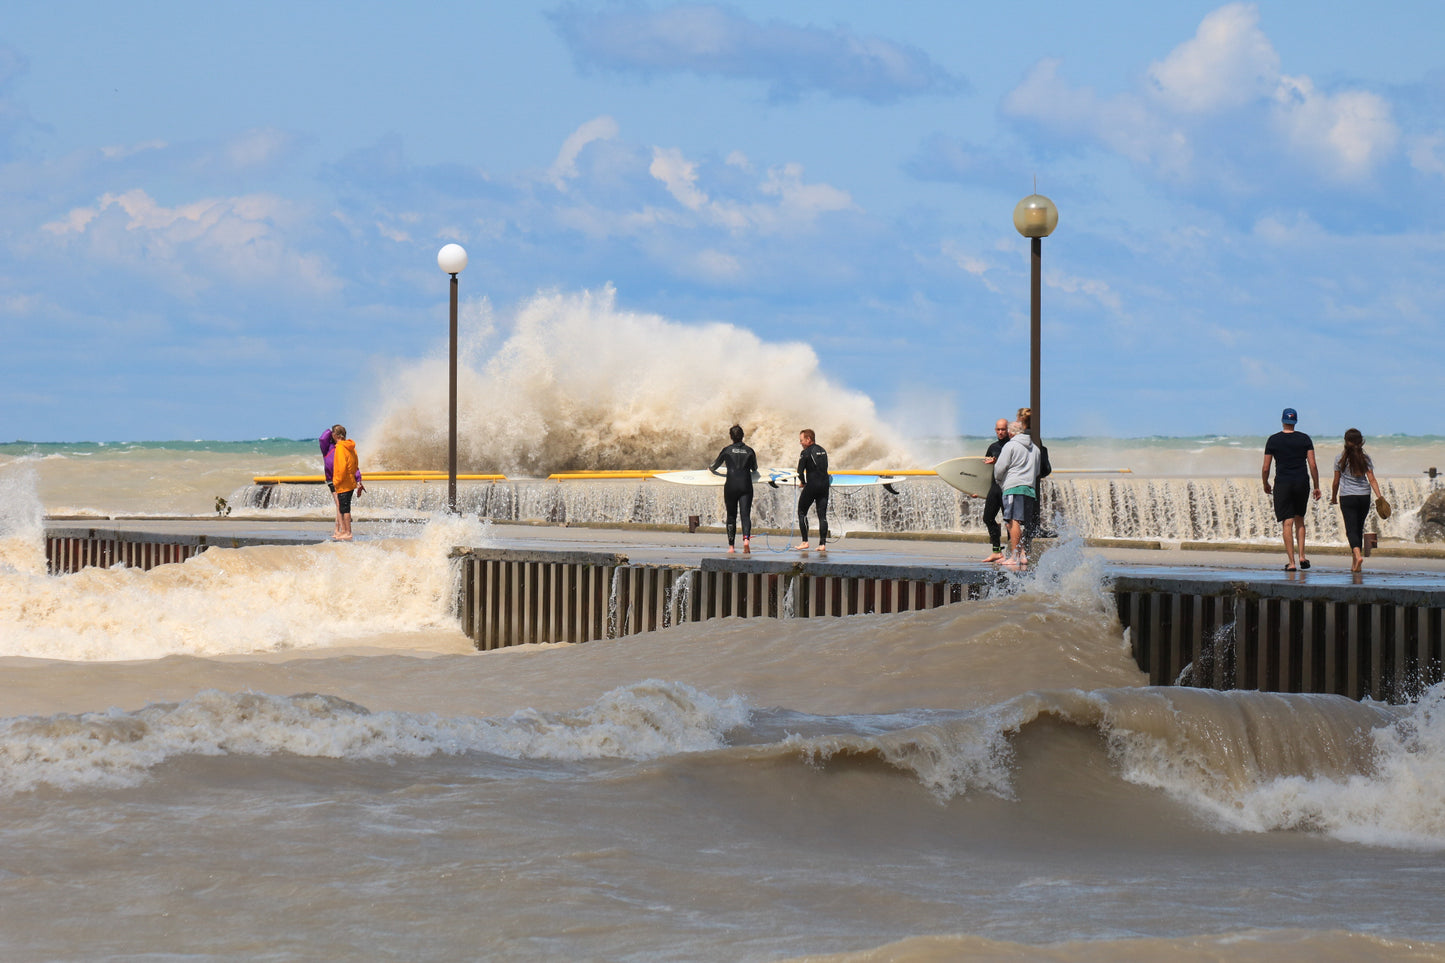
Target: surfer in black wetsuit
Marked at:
741, 462
813, 477
993, 504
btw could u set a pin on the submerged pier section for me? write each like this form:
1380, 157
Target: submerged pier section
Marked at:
1383, 640
1384, 643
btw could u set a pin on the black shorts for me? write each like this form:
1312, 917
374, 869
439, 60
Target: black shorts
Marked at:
343, 502
1291, 499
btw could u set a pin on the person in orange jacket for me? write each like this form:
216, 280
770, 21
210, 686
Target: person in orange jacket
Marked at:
346, 476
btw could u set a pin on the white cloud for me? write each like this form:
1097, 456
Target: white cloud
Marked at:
1349, 133
715, 40
1228, 63
564, 168
1089, 287
122, 151
256, 148
970, 264
1227, 74
798, 203
679, 176
239, 239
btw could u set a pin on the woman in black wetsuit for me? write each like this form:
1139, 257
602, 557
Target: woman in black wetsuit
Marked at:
741, 462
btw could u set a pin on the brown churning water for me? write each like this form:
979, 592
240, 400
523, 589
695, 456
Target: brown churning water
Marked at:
294, 753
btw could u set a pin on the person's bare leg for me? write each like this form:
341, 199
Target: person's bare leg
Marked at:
1299, 534
1015, 533
336, 504
747, 545
1289, 541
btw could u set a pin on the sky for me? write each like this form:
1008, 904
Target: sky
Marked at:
221, 221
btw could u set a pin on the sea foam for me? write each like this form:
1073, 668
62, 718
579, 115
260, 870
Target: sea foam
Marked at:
112, 749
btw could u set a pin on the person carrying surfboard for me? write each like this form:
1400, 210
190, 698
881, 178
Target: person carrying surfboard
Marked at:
741, 462
993, 504
814, 480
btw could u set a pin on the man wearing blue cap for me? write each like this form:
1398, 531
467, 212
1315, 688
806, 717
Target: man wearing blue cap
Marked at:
1295, 474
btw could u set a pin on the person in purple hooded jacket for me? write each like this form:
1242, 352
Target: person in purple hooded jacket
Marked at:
328, 463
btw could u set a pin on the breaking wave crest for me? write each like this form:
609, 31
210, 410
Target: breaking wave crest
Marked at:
118, 749
580, 384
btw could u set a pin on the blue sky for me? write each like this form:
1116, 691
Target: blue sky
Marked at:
222, 221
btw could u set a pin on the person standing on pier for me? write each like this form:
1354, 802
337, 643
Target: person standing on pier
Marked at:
1017, 472
1294, 475
1354, 480
741, 462
346, 476
328, 461
993, 504
814, 479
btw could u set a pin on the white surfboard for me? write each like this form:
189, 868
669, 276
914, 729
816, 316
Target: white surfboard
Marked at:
968, 474
704, 477
860, 481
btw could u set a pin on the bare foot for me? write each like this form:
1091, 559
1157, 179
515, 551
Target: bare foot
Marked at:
747, 548
822, 548
802, 547
731, 550
995, 557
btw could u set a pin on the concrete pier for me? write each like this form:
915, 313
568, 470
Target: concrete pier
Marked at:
1225, 622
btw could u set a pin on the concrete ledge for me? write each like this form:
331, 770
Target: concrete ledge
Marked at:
611, 559
174, 538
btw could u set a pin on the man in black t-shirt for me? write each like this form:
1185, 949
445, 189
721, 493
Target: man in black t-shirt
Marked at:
1294, 475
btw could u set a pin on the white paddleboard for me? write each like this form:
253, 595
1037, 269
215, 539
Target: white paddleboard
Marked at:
968, 474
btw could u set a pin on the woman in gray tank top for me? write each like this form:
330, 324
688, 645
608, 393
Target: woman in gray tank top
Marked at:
1354, 479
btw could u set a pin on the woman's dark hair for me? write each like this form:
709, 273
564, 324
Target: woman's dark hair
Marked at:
736, 431
1353, 460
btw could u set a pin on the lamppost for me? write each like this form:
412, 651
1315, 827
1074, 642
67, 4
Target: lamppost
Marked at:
1035, 217
452, 259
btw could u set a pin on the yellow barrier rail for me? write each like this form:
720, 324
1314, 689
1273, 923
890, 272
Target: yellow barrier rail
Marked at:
370, 476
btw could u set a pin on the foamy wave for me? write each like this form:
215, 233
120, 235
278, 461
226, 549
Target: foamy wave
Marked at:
117, 749
1252, 761
1255, 761
235, 601
22, 527
1397, 803
581, 385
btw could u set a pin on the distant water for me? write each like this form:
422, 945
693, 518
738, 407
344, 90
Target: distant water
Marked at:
186, 478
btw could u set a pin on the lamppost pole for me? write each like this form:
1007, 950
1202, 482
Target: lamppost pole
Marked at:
1035, 331
452, 259
1035, 218
452, 406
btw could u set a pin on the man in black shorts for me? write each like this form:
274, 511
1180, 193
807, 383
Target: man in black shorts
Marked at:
1294, 476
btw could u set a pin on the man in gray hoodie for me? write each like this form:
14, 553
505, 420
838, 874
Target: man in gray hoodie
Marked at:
1017, 473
